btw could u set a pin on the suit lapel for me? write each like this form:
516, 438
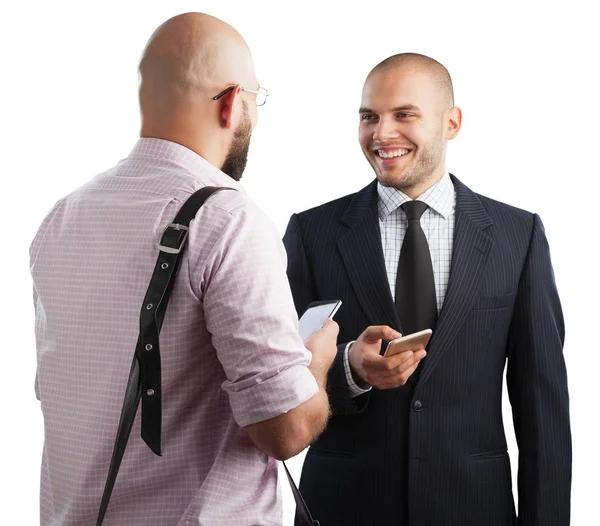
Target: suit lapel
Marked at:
472, 246
362, 254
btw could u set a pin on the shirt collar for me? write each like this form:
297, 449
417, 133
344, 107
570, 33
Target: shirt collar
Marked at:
172, 152
440, 198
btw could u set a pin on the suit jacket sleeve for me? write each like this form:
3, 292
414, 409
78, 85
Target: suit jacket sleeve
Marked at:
537, 387
302, 285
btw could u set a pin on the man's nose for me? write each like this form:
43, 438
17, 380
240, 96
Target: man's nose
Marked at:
385, 129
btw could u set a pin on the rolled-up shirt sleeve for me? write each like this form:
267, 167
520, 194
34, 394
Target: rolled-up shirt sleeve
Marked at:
250, 314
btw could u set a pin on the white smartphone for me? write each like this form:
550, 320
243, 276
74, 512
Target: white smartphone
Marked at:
411, 342
315, 315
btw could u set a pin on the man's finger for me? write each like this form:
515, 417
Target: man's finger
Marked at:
400, 358
412, 361
397, 380
379, 332
331, 327
409, 360
404, 376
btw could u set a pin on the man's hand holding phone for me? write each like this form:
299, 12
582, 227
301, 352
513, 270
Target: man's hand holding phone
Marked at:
323, 345
319, 333
382, 372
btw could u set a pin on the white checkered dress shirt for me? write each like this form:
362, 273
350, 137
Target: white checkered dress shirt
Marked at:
437, 223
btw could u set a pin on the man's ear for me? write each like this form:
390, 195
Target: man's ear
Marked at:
454, 122
228, 112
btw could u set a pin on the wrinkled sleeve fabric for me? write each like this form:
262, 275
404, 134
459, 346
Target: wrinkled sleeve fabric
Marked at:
250, 313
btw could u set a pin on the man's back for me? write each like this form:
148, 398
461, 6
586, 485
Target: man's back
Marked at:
91, 262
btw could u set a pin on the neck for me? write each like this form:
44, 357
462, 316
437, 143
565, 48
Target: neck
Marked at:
419, 189
199, 143
182, 126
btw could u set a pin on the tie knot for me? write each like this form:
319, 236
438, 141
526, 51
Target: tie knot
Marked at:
414, 209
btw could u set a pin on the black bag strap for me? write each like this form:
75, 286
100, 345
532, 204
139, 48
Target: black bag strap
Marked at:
303, 516
145, 375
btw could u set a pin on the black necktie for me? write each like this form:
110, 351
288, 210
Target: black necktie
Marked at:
415, 287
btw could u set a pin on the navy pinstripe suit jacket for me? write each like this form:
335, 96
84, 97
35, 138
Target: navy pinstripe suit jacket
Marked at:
384, 460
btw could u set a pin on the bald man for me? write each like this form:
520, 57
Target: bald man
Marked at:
239, 388
417, 438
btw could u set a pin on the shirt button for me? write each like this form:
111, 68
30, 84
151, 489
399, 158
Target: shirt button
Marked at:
417, 405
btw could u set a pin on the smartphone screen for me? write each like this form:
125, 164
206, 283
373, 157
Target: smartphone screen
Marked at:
315, 315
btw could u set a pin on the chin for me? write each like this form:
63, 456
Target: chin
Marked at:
399, 181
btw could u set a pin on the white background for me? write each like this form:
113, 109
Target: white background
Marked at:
525, 75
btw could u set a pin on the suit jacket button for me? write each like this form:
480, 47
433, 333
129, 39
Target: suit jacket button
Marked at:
417, 405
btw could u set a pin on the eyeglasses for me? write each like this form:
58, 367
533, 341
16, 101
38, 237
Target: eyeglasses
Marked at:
261, 94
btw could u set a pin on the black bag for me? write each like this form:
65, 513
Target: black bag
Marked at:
145, 376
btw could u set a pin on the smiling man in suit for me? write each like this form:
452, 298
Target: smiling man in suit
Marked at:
418, 438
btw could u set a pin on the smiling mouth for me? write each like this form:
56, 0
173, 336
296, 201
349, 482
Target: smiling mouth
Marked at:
391, 153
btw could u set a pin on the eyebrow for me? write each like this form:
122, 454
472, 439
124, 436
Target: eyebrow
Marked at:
405, 107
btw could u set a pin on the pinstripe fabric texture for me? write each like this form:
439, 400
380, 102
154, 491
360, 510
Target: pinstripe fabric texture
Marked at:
435, 453
438, 225
231, 353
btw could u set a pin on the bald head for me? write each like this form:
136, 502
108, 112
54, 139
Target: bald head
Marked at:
414, 62
186, 60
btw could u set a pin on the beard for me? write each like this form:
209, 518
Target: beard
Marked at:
427, 159
235, 162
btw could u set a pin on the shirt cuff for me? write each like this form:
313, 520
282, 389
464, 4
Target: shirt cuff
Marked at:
272, 397
355, 390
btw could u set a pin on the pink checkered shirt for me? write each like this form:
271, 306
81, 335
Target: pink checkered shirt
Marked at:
231, 354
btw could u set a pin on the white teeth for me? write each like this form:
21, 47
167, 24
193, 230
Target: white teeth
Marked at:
392, 153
